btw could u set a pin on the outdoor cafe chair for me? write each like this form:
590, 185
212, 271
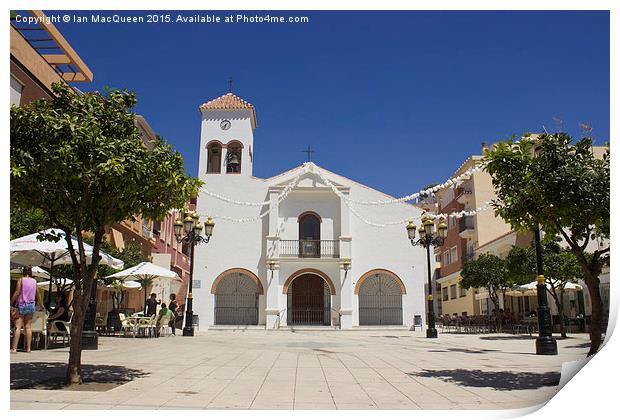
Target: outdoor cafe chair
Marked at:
56, 330
163, 325
147, 325
39, 327
126, 325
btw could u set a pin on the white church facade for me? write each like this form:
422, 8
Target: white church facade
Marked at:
292, 250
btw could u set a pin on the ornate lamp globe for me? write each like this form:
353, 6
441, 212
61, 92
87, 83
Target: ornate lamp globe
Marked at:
209, 225
429, 226
198, 229
443, 230
411, 228
178, 227
188, 223
421, 232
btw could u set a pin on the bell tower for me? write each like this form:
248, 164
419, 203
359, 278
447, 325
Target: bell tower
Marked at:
226, 137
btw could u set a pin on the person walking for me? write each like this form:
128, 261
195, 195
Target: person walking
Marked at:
25, 297
174, 307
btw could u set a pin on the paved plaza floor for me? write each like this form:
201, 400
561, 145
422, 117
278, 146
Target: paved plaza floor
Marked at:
257, 369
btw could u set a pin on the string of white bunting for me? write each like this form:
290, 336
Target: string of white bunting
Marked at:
284, 193
309, 167
281, 197
401, 221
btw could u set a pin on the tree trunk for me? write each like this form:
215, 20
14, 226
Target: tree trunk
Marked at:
596, 325
74, 366
559, 304
561, 316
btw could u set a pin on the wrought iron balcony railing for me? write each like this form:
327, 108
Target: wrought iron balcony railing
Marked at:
310, 248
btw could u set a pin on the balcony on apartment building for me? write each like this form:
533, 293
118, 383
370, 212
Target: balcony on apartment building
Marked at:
464, 196
310, 248
466, 227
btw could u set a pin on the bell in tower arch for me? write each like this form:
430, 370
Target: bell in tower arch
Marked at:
233, 160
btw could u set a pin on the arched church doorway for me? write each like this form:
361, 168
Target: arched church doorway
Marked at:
309, 301
380, 299
236, 300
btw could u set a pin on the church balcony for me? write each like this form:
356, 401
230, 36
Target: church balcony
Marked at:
310, 249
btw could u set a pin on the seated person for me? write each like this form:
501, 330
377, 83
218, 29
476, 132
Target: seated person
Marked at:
164, 311
60, 312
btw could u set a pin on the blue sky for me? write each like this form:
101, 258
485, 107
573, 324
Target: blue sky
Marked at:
395, 100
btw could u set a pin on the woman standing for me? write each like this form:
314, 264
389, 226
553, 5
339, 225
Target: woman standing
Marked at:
25, 296
173, 306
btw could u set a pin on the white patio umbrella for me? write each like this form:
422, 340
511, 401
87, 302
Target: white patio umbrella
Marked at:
129, 284
145, 272
530, 289
37, 272
62, 282
28, 250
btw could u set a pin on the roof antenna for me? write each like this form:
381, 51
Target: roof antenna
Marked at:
230, 84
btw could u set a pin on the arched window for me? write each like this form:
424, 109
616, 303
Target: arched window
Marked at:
309, 227
233, 158
214, 158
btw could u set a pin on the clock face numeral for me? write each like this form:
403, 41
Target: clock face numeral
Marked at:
225, 125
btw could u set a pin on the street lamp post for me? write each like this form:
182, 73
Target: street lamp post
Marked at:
189, 231
428, 238
545, 343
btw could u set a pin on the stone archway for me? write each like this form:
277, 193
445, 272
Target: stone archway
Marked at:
380, 298
308, 301
236, 298
330, 283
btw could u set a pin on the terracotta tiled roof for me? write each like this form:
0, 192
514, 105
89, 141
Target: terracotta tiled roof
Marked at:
228, 101
231, 102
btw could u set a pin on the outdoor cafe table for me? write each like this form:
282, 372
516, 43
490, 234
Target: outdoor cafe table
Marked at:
134, 320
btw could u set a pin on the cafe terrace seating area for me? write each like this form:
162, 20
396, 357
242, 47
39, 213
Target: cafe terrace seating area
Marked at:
58, 333
502, 323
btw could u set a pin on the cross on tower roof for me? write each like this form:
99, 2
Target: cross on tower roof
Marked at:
230, 84
309, 152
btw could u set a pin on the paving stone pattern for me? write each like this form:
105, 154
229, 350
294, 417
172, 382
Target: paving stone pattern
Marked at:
254, 369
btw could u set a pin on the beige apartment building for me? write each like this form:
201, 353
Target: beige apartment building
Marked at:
465, 237
484, 233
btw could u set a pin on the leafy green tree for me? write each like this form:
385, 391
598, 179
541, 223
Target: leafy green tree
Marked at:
26, 220
488, 271
131, 254
560, 267
551, 182
80, 159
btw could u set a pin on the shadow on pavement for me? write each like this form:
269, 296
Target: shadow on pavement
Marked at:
43, 375
580, 346
509, 337
501, 381
468, 351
